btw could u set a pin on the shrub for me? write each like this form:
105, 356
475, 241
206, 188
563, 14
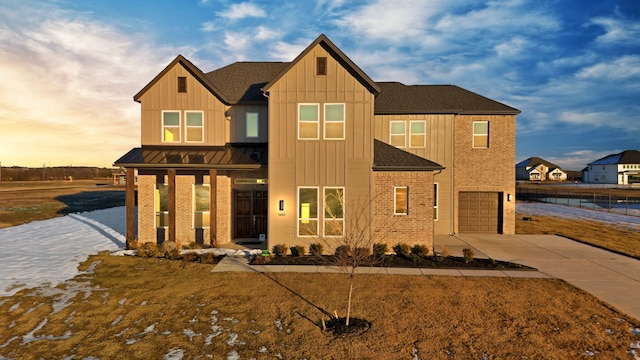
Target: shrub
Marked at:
208, 258
173, 254
416, 259
280, 249
468, 255
190, 257
362, 252
298, 250
380, 249
420, 250
444, 251
343, 251
316, 249
261, 260
402, 250
193, 245
131, 245
148, 250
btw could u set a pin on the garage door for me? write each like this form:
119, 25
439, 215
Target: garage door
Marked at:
479, 212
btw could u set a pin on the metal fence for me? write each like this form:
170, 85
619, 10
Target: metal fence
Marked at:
628, 205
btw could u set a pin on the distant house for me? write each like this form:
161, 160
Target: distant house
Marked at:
622, 168
538, 169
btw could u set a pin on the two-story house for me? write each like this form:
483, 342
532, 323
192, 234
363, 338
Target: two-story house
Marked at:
538, 169
291, 151
622, 168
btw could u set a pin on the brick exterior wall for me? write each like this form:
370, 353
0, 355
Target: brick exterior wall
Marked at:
491, 169
417, 226
185, 234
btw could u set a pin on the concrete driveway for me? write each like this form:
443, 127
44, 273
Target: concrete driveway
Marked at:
613, 278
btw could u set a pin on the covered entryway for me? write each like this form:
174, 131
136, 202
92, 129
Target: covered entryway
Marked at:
250, 213
479, 212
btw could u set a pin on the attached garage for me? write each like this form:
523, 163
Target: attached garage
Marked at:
479, 212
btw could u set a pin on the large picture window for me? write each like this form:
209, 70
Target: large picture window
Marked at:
195, 128
417, 134
397, 134
481, 134
308, 120
333, 211
400, 200
334, 121
171, 126
252, 125
307, 211
201, 205
162, 205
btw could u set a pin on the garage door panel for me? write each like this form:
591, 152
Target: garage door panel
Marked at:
479, 212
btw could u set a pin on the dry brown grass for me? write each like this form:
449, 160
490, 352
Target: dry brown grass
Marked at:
23, 202
617, 238
143, 308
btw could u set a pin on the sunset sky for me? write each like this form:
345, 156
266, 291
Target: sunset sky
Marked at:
69, 68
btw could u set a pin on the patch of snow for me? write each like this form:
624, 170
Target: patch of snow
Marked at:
563, 211
609, 331
233, 340
190, 333
14, 307
174, 354
11, 339
131, 341
278, 323
30, 336
263, 350
50, 250
589, 353
635, 331
635, 345
233, 355
116, 321
122, 302
232, 320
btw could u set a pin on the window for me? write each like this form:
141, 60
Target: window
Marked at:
417, 134
397, 134
252, 125
171, 126
435, 201
481, 134
400, 200
201, 205
307, 211
333, 211
334, 121
182, 84
308, 121
195, 126
321, 66
162, 205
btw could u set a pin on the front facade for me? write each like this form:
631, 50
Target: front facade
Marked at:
289, 153
537, 169
622, 169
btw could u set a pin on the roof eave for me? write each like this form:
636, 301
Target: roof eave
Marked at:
408, 112
490, 112
406, 168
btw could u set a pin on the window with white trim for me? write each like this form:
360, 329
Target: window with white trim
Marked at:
435, 201
417, 134
161, 207
480, 134
170, 126
308, 121
308, 211
397, 133
201, 205
194, 126
400, 200
252, 125
333, 211
334, 121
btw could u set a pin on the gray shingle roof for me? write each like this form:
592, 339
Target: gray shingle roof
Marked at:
390, 158
535, 161
243, 81
625, 157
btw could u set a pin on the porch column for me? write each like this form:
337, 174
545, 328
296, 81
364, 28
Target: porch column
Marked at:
172, 203
213, 207
130, 203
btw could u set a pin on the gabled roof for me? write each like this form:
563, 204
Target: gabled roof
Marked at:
337, 54
535, 161
193, 70
625, 157
243, 81
398, 98
390, 158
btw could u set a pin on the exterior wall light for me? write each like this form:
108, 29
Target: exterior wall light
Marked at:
281, 205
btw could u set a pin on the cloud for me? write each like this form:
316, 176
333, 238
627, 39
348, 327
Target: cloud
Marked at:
241, 11
622, 68
208, 26
617, 30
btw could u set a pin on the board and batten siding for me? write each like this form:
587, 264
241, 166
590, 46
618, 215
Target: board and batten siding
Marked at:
163, 95
237, 115
294, 163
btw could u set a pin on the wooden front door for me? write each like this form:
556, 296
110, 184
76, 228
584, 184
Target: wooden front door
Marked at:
250, 213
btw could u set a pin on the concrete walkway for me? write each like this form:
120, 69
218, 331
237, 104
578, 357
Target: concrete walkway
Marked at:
613, 278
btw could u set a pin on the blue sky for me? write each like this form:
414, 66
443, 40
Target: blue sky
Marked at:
69, 68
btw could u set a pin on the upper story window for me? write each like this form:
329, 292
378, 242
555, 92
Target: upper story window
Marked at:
171, 126
182, 84
334, 121
397, 134
194, 126
308, 120
252, 125
321, 66
481, 134
417, 134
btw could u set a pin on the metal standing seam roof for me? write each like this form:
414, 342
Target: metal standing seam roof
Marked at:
389, 158
230, 156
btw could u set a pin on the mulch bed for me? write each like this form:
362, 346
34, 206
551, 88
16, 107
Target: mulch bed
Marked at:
434, 262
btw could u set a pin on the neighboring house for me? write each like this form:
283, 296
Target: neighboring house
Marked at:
291, 151
537, 169
622, 168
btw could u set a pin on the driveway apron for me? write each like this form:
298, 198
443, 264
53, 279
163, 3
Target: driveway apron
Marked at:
613, 278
